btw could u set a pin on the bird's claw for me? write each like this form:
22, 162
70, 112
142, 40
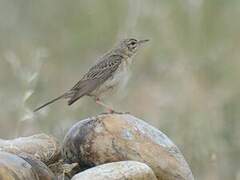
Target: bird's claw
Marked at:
114, 112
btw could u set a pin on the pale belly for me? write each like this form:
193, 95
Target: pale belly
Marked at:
114, 83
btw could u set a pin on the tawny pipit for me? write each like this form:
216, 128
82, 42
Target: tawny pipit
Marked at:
107, 74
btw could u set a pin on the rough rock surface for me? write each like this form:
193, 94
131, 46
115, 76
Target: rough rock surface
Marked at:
130, 170
43, 147
13, 167
38, 167
115, 137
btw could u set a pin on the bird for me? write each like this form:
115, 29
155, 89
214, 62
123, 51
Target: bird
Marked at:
110, 71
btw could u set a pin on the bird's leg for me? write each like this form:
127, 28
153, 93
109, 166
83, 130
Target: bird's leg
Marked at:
109, 109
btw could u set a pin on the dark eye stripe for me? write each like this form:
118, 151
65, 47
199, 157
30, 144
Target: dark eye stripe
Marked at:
132, 41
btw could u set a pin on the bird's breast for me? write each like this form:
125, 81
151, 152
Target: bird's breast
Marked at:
118, 80
121, 75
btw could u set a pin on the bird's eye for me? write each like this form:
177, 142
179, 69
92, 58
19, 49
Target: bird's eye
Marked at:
133, 43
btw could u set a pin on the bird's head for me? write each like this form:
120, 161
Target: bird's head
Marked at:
130, 46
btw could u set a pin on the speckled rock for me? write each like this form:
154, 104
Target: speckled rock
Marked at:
43, 147
13, 167
115, 137
130, 170
38, 167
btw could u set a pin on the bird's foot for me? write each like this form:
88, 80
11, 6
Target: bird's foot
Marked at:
108, 108
111, 111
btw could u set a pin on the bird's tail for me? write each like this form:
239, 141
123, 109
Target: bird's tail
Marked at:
50, 102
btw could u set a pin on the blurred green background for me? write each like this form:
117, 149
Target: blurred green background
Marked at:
185, 82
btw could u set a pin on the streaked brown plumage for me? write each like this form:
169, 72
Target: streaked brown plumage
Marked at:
105, 75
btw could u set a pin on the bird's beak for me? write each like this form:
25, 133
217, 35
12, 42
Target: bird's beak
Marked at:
143, 41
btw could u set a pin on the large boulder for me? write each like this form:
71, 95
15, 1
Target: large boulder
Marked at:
118, 137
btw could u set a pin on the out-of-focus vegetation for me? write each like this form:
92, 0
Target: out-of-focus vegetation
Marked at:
185, 82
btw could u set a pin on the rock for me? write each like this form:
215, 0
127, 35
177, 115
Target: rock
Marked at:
61, 169
14, 167
117, 171
115, 137
42, 171
43, 147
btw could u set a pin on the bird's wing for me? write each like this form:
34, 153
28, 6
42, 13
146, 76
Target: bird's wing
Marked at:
96, 76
